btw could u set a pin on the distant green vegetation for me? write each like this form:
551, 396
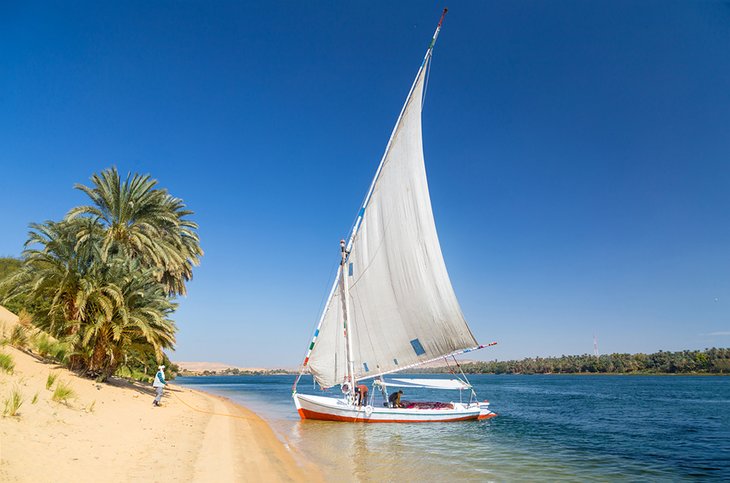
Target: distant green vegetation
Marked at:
100, 284
9, 266
142, 366
708, 361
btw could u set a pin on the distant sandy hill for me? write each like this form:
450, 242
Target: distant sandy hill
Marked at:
214, 367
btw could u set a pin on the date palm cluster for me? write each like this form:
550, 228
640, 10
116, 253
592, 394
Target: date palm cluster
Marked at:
105, 278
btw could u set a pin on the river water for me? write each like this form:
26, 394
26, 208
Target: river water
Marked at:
550, 427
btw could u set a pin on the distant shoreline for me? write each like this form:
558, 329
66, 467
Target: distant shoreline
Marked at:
592, 374
708, 362
235, 372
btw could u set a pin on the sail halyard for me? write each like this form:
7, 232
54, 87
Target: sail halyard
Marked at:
336, 360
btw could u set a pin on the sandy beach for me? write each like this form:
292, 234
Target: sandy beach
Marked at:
112, 432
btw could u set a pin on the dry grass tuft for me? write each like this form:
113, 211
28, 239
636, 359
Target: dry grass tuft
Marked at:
19, 337
13, 402
63, 392
6, 363
50, 380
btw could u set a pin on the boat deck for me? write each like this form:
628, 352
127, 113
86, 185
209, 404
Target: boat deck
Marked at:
426, 405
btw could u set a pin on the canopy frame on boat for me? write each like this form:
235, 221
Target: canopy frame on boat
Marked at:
447, 384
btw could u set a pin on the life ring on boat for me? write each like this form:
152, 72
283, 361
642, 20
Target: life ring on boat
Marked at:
345, 387
368, 411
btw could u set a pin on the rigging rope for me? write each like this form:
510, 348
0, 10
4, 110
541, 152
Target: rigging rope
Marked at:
473, 392
248, 418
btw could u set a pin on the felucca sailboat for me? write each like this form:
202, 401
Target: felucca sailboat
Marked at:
391, 306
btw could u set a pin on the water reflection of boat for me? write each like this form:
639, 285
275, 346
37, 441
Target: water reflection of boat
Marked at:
391, 306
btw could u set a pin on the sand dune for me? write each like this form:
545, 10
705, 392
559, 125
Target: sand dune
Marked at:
111, 432
8, 320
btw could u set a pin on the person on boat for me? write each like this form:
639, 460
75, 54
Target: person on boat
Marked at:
361, 392
158, 384
394, 399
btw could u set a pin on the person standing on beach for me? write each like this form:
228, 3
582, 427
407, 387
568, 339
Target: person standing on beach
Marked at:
159, 384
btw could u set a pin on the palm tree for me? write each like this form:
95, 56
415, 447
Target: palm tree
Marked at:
124, 308
52, 272
103, 279
144, 223
102, 309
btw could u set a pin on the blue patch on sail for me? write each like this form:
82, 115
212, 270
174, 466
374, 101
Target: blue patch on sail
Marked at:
349, 270
395, 361
417, 347
365, 365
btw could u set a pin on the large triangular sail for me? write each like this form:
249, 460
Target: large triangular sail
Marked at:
402, 307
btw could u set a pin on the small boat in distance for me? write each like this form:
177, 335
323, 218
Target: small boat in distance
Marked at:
391, 306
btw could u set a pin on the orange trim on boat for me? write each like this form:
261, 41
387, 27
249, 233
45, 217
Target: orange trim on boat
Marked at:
486, 416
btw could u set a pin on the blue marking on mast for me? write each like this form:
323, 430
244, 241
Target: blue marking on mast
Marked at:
417, 347
316, 332
362, 212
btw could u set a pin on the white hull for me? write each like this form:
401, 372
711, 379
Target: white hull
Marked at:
333, 409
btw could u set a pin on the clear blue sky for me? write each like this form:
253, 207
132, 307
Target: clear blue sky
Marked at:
578, 155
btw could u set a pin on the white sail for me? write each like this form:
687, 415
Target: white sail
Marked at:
403, 310
328, 357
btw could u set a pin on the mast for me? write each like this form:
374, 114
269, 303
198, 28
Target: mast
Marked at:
346, 247
347, 322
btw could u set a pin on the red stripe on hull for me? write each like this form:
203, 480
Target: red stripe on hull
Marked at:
486, 416
307, 414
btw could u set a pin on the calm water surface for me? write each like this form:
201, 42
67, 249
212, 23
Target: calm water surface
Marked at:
581, 428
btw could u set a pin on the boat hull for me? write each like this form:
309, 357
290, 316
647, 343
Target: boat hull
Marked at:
332, 409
